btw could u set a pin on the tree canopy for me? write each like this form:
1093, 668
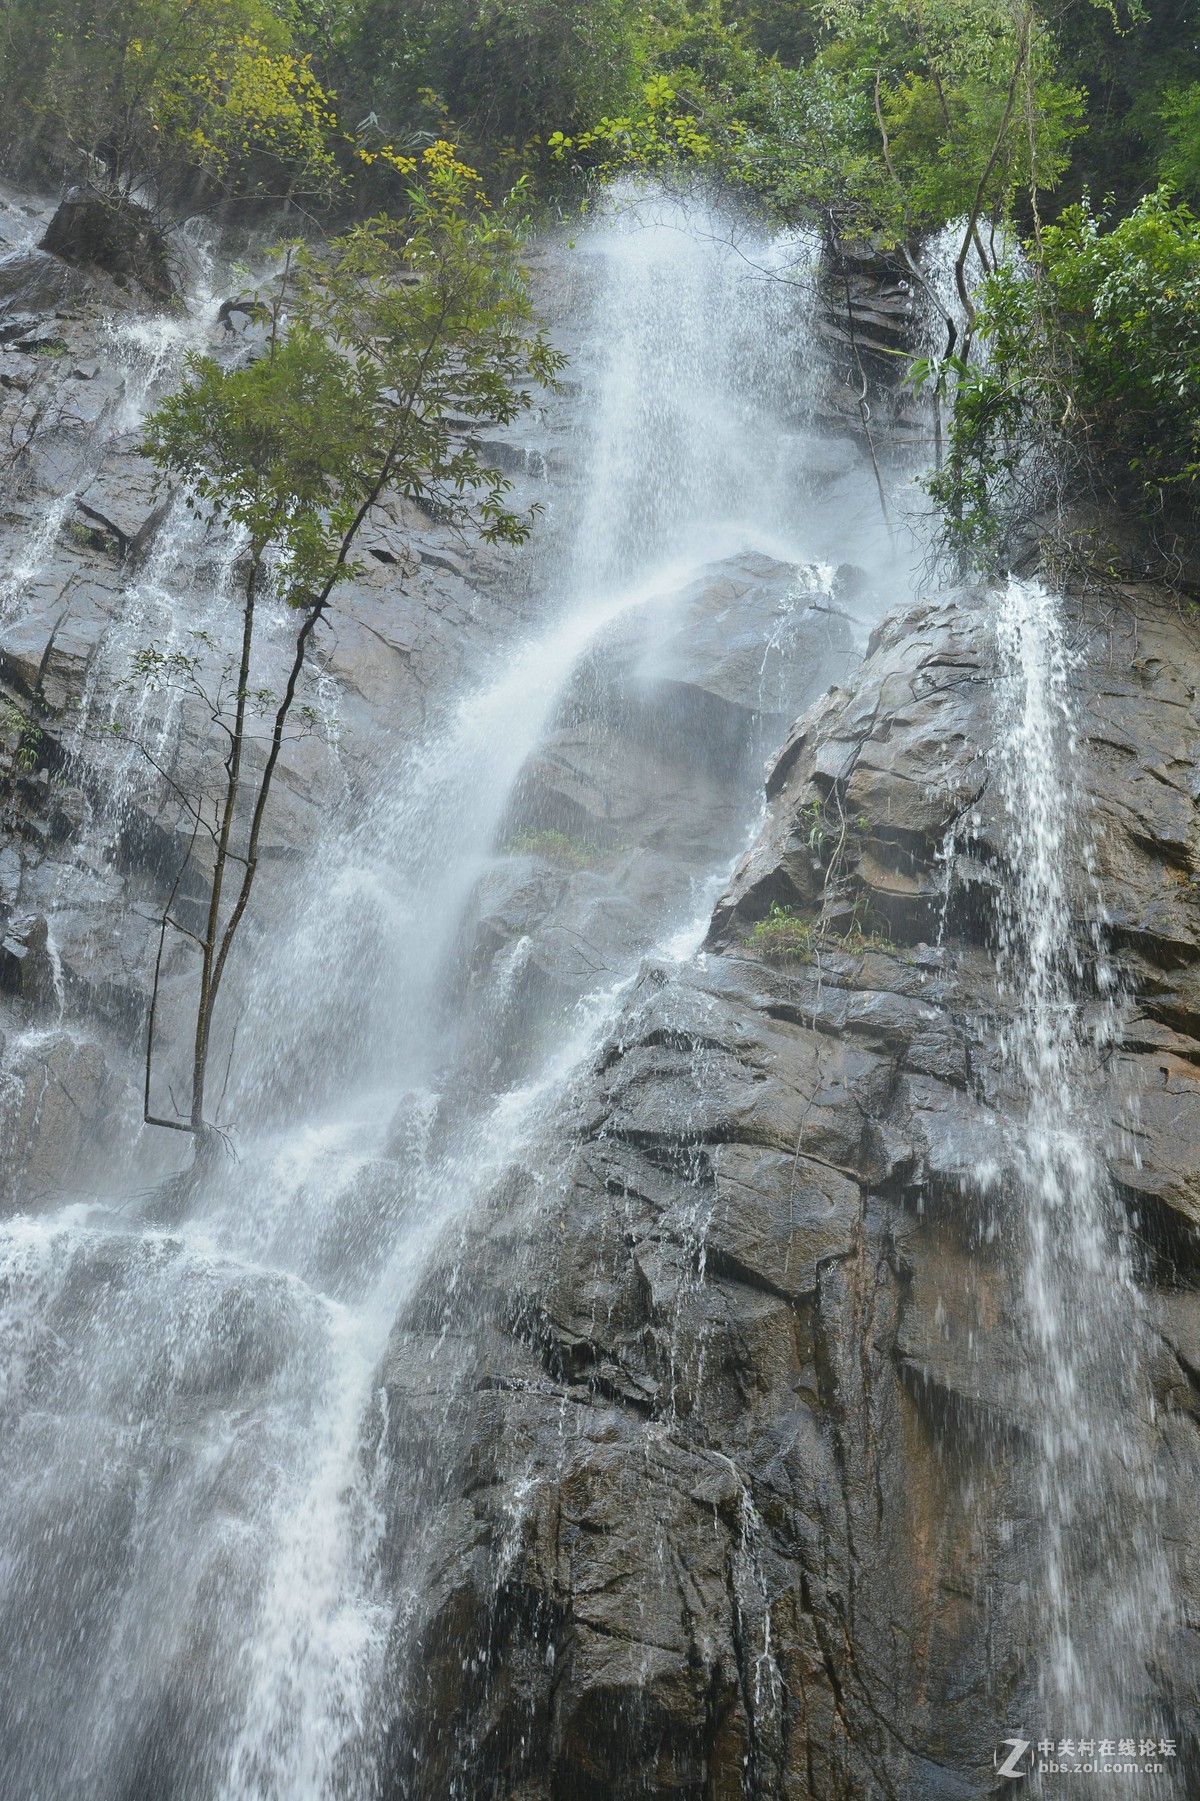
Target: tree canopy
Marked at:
884, 107
1011, 120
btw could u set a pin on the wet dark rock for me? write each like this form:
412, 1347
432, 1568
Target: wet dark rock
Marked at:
741, 1372
621, 818
126, 503
91, 230
55, 1091
26, 969
34, 287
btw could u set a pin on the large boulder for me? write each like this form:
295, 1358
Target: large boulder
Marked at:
34, 287
91, 230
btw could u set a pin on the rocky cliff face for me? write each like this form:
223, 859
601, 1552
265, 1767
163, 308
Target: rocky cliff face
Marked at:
706, 1448
744, 1495
100, 562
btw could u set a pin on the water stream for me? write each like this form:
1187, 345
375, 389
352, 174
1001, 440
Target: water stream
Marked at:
1102, 1598
190, 1587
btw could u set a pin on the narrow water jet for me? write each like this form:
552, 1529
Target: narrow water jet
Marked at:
1104, 1587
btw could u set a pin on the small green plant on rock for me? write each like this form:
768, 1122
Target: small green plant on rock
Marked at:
823, 832
87, 537
787, 935
860, 933
24, 730
784, 933
555, 847
813, 817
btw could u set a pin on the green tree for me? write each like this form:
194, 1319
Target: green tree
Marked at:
395, 331
905, 116
1177, 113
939, 74
174, 92
1126, 57
507, 72
1091, 385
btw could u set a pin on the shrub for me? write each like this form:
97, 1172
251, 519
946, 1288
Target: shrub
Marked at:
788, 936
1091, 381
785, 934
555, 847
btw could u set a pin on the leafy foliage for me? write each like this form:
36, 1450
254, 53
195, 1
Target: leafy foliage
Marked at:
392, 337
786, 935
881, 111
20, 737
901, 119
167, 90
557, 847
1178, 115
254, 118
1092, 377
1125, 57
396, 329
506, 72
658, 130
964, 97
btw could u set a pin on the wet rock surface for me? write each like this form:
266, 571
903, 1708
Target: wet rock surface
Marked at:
100, 562
95, 230
610, 830
741, 1504
638, 789
715, 1411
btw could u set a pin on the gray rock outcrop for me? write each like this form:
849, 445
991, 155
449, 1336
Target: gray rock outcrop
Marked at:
101, 561
739, 1495
706, 1445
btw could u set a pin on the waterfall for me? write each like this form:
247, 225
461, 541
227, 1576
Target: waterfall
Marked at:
1102, 1600
193, 1591
799, 1188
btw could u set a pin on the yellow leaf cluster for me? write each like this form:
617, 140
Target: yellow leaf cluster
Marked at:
388, 154
248, 104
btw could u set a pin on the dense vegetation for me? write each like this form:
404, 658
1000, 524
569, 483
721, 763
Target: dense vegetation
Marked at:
1091, 385
1072, 126
885, 107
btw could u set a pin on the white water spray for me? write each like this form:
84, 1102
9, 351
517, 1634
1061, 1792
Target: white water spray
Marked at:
1102, 1600
197, 1444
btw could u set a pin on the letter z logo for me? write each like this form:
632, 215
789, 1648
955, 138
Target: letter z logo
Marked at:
1017, 1750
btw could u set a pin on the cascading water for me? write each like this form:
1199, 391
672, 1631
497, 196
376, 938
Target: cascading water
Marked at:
1102, 1601
230, 1425
714, 385
117, 727
191, 1585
